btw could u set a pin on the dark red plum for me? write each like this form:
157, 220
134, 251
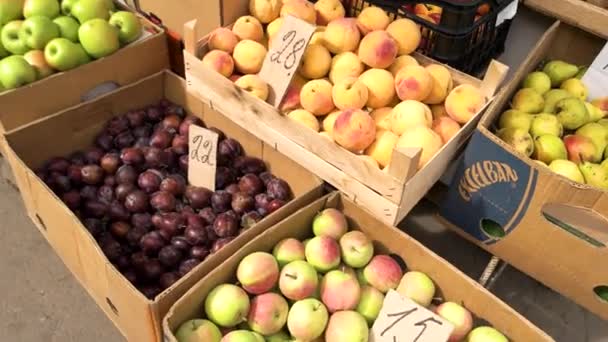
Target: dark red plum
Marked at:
93, 155
246, 164
174, 109
199, 252
136, 118
59, 183
223, 177
134, 235
170, 256
161, 139
261, 203
150, 291
278, 189
195, 235
198, 197
151, 243
142, 142
174, 184
105, 141
274, 205
120, 229
77, 158
123, 263
118, 212
143, 131
94, 226
225, 225
188, 265
105, 193
171, 123
266, 177
126, 174
122, 190
181, 243
242, 203
208, 215
136, 201
227, 151
183, 163
152, 270
184, 127
171, 223
232, 189
91, 174
132, 156
220, 243
193, 220
88, 192
94, 208
117, 125
130, 275
168, 279
180, 144
250, 219
124, 139
58, 164
251, 184
109, 180
163, 201
154, 113
143, 220
149, 181
221, 201
156, 157
211, 236
112, 249
138, 260
71, 199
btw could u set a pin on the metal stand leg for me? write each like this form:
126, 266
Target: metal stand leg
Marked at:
492, 272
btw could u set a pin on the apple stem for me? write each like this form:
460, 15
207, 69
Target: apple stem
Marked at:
291, 276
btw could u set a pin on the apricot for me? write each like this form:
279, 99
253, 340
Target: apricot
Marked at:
407, 34
329, 120
302, 9
380, 86
354, 130
249, 56
223, 39
345, 65
413, 82
438, 111
273, 28
350, 93
382, 148
318, 37
382, 117
328, 10
372, 18
305, 118
316, 62
446, 127
408, 114
424, 138
463, 102
291, 100
315, 97
219, 61
442, 83
265, 10
254, 85
378, 49
401, 62
248, 27
342, 35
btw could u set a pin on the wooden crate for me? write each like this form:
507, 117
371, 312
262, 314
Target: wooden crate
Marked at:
589, 16
389, 194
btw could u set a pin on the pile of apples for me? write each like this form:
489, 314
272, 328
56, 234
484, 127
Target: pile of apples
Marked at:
41, 37
328, 288
552, 121
356, 84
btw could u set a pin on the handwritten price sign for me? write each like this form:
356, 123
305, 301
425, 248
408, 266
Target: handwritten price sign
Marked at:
403, 320
202, 144
284, 57
596, 77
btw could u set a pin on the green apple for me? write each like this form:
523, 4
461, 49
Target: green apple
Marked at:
62, 54
347, 326
240, 336
129, 26
38, 61
227, 305
461, 319
15, 72
45, 8
198, 330
307, 319
486, 334
10, 38
85, 10
83, 57
68, 27
3, 51
370, 303
37, 31
98, 38
356, 249
66, 6
418, 287
281, 336
10, 10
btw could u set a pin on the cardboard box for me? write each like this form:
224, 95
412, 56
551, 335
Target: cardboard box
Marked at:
138, 318
31, 102
588, 15
390, 195
452, 285
551, 228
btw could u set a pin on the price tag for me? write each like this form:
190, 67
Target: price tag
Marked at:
596, 77
202, 158
284, 57
507, 13
403, 320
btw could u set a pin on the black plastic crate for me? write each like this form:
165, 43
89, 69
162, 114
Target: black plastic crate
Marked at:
459, 38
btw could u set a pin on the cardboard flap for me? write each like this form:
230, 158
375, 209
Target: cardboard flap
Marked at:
584, 222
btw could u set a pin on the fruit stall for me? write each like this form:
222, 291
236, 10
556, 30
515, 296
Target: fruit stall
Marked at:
250, 170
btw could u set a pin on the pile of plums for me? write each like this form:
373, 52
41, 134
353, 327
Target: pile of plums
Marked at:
130, 190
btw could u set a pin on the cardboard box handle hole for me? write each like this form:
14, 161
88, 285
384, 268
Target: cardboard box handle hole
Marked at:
99, 90
41, 222
492, 228
602, 293
583, 223
112, 307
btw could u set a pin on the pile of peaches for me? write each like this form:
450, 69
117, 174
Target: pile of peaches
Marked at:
357, 84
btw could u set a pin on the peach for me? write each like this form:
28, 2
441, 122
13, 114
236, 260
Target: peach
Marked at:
345, 65
328, 10
220, 61
371, 19
424, 138
460, 317
254, 85
442, 83
267, 313
369, 160
342, 35
378, 49
382, 148
248, 27
328, 122
302, 9
288, 250
273, 28
383, 273
413, 82
382, 117
438, 111
349, 93
315, 97
223, 39
265, 10
418, 287
340, 291
327, 136
401, 62
258, 272
446, 127
305, 118
408, 114
407, 34
291, 100
354, 130
318, 37
316, 62
346, 326
381, 86
234, 77
249, 56
330, 222
464, 102
323, 253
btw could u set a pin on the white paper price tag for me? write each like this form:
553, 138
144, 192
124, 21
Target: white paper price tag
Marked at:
202, 158
403, 320
596, 77
284, 57
507, 13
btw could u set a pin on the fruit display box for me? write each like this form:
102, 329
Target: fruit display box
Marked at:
586, 15
138, 318
549, 227
451, 284
389, 194
144, 57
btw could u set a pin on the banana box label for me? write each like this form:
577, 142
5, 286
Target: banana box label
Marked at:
490, 191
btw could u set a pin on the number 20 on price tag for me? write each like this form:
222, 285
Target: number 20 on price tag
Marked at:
202, 160
403, 320
284, 57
